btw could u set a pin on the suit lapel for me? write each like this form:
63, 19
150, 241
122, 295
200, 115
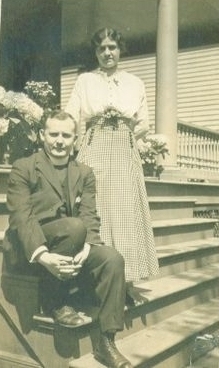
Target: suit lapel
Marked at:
43, 164
73, 177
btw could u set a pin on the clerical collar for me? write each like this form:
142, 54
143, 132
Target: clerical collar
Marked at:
61, 167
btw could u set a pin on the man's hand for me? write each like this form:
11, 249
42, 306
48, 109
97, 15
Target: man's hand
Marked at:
81, 257
63, 267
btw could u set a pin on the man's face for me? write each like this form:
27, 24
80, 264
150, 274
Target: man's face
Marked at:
108, 54
58, 137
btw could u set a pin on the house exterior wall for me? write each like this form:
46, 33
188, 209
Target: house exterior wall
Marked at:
198, 80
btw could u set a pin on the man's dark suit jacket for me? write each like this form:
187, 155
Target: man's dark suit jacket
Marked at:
35, 194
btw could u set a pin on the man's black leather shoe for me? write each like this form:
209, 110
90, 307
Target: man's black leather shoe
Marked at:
66, 316
108, 354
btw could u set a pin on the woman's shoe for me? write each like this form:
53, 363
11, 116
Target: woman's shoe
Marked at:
133, 296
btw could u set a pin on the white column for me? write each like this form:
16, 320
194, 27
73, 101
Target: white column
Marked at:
166, 77
0, 15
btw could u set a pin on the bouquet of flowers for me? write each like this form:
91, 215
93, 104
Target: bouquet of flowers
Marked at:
20, 118
150, 148
109, 117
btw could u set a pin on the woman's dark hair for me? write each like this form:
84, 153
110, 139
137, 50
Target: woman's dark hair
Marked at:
110, 33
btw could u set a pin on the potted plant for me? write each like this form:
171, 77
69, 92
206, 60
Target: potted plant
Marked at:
150, 148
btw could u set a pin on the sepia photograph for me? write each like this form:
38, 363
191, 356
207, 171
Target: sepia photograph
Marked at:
109, 183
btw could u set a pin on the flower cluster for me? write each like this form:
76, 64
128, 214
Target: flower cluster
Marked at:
150, 147
40, 92
20, 118
19, 104
110, 117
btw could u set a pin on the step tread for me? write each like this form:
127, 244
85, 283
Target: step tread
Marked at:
164, 251
169, 199
143, 346
4, 222
166, 223
3, 198
182, 222
17, 360
164, 287
172, 284
2, 234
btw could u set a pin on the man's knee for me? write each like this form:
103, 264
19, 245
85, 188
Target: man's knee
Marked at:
66, 235
76, 231
75, 227
112, 258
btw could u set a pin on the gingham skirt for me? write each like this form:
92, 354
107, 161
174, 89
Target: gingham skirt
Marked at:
121, 197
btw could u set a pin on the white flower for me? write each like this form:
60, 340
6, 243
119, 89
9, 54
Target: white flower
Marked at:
3, 126
9, 100
143, 145
160, 138
2, 93
24, 105
78, 199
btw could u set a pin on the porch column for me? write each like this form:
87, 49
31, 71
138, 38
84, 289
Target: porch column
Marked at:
0, 14
166, 77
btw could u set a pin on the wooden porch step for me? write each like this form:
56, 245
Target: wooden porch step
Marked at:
176, 199
2, 198
182, 230
9, 360
152, 346
171, 207
158, 293
174, 250
179, 257
2, 234
182, 222
176, 263
4, 222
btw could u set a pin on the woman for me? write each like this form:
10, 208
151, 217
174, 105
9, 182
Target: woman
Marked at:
110, 108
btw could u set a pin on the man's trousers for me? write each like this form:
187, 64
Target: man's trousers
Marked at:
104, 270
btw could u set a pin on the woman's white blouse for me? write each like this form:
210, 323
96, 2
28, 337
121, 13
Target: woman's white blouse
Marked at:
94, 91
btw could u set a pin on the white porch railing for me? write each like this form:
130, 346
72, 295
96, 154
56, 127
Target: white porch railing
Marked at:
198, 148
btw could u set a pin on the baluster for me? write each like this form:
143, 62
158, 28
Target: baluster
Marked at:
217, 154
189, 163
187, 148
197, 148
208, 157
183, 148
179, 148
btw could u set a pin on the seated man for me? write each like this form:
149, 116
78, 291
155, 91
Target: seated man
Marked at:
54, 224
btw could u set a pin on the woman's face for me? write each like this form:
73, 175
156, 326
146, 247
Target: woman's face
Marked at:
108, 54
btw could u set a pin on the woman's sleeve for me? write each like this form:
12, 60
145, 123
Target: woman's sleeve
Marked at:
142, 115
73, 106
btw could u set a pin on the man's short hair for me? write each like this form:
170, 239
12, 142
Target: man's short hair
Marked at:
56, 114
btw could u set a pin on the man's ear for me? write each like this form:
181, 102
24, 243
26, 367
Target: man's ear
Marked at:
76, 138
41, 132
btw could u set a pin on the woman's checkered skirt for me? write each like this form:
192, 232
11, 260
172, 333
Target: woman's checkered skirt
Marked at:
121, 197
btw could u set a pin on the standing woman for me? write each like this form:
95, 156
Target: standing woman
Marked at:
110, 109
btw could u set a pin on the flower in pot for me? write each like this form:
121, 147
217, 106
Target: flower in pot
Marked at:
150, 147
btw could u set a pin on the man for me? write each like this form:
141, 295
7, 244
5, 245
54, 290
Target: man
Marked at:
53, 222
